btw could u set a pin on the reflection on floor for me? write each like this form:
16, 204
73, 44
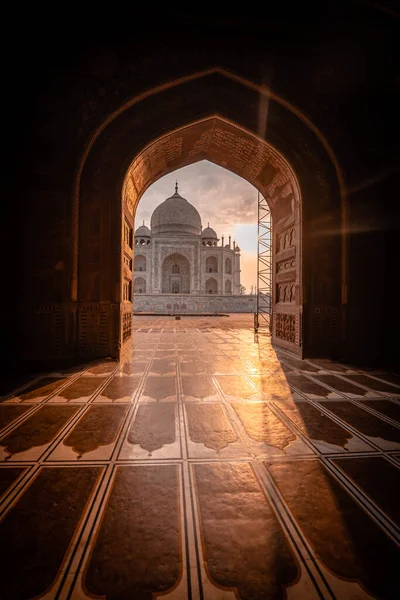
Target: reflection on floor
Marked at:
207, 465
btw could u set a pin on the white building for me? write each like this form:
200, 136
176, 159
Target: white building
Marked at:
177, 256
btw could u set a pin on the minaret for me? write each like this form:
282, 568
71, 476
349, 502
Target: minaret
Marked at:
236, 271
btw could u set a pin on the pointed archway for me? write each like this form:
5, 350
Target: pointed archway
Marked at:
291, 165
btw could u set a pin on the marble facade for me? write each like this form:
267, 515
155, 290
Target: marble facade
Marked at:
177, 256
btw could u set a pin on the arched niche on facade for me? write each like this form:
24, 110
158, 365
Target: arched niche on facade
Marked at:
139, 285
211, 286
228, 286
211, 264
288, 161
140, 262
175, 274
228, 266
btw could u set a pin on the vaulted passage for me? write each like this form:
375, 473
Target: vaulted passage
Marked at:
189, 458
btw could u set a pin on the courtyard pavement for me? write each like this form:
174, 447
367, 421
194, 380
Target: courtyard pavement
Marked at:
207, 465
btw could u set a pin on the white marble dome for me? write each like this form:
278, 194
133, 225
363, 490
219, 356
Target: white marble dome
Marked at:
143, 231
209, 232
176, 216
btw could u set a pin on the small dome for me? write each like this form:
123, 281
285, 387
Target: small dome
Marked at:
208, 232
176, 215
237, 249
143, 231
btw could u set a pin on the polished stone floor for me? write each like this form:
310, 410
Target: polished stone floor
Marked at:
205, 466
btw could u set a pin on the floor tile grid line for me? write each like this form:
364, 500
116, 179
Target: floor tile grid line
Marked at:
304, 395
357, 401
341, 393
244, 436
183, 427
66, 382
69, 381
193, 584
320, 406
378, 394
282, 416
374, 412
200, 548
16, 422
308, 440
23, 386
128, 420
367, 504
91, 398
71, 421
239, 438
67, 428
394, 459
276, 379
52, 593
195, 551
349, 368
45, 374
381, 380
64, 431
237, 425
83, 549
298, 542
83, 536
18, 488
70, 424
264, 396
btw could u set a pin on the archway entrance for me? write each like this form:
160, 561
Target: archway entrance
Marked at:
175, 274
292, 168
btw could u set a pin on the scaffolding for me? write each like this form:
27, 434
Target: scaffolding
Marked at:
263, 314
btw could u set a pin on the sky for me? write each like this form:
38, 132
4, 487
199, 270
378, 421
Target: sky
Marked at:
226, 201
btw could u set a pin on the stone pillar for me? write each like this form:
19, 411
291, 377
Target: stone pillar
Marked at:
236, 273
223, 272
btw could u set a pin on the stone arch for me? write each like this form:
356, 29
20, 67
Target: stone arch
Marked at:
211, 264
211, 286
140, 263
139, 285
175, 274
228, 286
282, 165
228, 266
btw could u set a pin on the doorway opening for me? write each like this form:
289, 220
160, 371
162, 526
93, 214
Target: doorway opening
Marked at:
292, 167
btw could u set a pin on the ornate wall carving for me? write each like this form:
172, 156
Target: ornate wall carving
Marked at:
93, 329
286, 292
286, 265
126, 326
185, 250
285, 327
204, 303
286, 239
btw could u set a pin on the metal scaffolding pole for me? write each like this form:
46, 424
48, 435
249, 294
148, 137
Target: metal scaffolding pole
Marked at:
263, 315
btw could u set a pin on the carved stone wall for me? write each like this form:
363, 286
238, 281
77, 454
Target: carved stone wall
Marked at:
199, 304
285, 327
94, 333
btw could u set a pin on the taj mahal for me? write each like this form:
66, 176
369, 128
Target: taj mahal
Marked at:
181, 267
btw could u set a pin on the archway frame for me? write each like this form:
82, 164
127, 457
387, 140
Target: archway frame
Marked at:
265, 93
